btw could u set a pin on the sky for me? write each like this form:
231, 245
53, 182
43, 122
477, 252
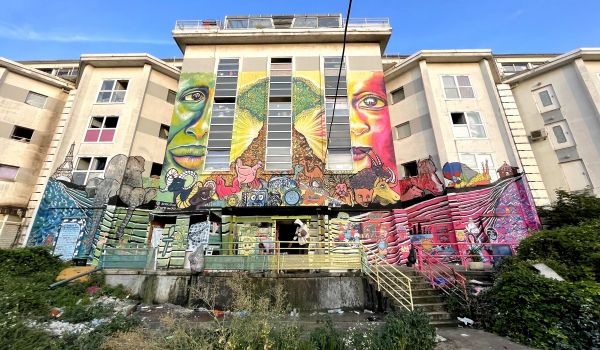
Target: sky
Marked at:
65, 29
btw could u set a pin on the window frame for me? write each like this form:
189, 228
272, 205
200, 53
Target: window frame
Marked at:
564, 126
538, 100
21, 139
401, 88
492, 167
397, 128
112, 91
404, 167
455, 77
468, 126
38, 95
160, 128
269, 165
16, 168
88, 171
102, 128
169, 94
342, 93
207, 166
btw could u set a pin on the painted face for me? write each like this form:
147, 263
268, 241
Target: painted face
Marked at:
369, 119
363, 196
188, 135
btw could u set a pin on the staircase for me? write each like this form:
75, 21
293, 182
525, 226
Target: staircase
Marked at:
407, 289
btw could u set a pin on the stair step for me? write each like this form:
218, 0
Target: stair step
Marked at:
427, 299
444, 323
439, 316
431, 307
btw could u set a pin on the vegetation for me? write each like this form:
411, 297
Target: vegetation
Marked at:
570, 209
258, 321
25, 298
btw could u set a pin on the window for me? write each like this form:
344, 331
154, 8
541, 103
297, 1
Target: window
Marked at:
398, 95
279, 119
88, 168
403, 131
339, 152
163, 132
480, 162
410, 169
221, 124
560, 135
512, 68
8, 172
22, 134
457, 87
35, 99
305, 22
545, 99
171, 96
467, 125
156, 169
112, 91
101, 129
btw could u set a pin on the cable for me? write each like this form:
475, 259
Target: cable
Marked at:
339, 74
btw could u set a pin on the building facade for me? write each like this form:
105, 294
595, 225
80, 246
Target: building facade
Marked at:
265, 122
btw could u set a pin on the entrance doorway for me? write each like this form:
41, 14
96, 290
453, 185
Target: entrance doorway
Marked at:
286, 230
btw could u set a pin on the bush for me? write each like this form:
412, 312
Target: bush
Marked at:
570, 209
542, 312
573, 250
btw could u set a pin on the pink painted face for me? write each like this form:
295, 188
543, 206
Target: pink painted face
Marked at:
369, 119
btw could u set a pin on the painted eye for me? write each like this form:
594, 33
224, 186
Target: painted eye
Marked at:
195, 96
371, 102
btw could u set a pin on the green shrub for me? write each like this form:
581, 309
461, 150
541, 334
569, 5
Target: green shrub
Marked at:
570, 209
573, 250
407, 330
542, 312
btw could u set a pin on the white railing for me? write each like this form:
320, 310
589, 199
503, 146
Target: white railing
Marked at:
368, 22
216, 25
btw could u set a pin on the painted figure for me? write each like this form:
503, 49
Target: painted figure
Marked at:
188, 136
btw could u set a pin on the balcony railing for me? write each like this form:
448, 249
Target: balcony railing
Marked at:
217, 25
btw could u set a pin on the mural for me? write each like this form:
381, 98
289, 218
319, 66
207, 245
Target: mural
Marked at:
373, 181
92, 205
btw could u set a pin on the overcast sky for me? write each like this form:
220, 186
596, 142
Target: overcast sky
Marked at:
55, 29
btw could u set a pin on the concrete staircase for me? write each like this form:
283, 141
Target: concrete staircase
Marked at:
424, 297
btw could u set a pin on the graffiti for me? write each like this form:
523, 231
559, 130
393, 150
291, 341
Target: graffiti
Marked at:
247, 174
460, 175
198, 234
256, 198
426, 182
69, 236
383, 194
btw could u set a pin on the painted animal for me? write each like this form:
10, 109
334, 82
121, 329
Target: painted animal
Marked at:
247, 174
182, 194
315, 174
458, 173
383, 194
297, 170
411, 192
223, 190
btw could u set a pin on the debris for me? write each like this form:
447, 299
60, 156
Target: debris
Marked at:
56, 312
294, 313
366, 311
547, 272
467, 321
464, 335
91, 290
439, 338
335, 311
372, 318
218, 313
242, 313
313, 313
356, 312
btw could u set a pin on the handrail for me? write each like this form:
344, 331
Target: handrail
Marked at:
212, 25
440, 275
388, 278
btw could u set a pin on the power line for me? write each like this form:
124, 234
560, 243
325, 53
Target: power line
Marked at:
339, 73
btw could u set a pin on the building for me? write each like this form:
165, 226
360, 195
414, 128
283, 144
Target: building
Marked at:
31, 103
262, 123
559, 105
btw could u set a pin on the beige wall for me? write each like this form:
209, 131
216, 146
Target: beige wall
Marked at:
29, 157
576, 105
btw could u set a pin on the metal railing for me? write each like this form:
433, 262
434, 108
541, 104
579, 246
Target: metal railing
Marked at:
283, 255
133, 256
389, 279
440, 275
217, 25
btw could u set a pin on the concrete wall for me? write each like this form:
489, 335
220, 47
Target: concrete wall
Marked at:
28, 156
306, 292
577, 107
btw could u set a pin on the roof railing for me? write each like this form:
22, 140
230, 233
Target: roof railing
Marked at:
217, 25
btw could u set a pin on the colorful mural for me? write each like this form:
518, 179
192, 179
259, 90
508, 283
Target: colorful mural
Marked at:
373, 181
92, 205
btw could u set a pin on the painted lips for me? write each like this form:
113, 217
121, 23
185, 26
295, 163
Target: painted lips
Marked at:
359, 153
188, 157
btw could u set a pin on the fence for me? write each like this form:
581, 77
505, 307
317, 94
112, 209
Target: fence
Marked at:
127, 257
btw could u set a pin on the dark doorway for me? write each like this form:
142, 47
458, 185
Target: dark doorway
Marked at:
286, 232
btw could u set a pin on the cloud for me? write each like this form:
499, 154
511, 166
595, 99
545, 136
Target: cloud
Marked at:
25, 33
514, 15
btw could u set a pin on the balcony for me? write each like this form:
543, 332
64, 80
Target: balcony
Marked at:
279, 22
